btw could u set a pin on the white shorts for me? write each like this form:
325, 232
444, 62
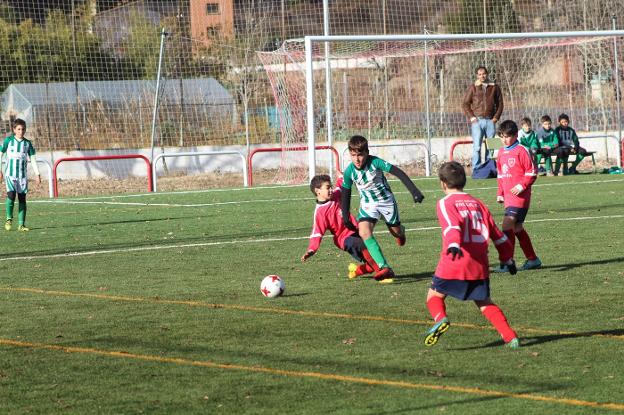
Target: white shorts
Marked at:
372, 211
16, 184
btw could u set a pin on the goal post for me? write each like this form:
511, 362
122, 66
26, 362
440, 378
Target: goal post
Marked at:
500, 43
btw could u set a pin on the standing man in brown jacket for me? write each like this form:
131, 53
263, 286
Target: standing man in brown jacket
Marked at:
483, 106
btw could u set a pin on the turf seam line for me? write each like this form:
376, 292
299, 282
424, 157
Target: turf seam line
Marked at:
248, 241
314, 375
304, 313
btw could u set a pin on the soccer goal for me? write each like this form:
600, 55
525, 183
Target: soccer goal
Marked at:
410, 87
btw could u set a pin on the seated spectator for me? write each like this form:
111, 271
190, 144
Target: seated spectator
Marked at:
548, 143
528, 138
568, 144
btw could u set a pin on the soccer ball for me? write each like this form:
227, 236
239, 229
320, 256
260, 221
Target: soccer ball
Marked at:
272, 286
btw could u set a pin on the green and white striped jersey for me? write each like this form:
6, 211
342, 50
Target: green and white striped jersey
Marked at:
17, 152
370, 180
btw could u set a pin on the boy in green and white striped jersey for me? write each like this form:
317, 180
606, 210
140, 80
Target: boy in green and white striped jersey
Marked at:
376, 199
18, 149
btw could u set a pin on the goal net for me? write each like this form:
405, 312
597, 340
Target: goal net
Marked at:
379, 88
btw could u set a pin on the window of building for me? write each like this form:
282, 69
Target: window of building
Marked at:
213, 31
212, 8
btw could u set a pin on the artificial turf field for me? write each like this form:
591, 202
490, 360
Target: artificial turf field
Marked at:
151, 304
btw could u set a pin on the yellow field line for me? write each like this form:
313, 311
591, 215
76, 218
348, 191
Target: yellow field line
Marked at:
284, 311
315, 375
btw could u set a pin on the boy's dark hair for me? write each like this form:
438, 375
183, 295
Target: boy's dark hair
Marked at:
525, 121
19, 121
545, 118
358, 144
563, 117
453, 175
508, 127
317, 181
481, 67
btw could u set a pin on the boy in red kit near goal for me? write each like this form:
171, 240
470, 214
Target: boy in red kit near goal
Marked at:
516, 174
463, 269
328, 217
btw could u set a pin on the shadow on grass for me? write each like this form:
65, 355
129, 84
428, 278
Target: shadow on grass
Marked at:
114, 222
571, 265
444, 406
295, 295
592, 208
411, 278
243, 237
533, 340
171, 219
529, 341
400, 278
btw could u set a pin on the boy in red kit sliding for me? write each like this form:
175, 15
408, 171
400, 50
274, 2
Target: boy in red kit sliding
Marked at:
516, 174
328, 217
463, 269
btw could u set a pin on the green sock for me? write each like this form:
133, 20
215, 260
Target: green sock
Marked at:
9, 208
548, 163
557, 165
21, 213
375, 250
538, 159
579, 158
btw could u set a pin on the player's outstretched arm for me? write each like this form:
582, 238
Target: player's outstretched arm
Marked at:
411, 187
33, 162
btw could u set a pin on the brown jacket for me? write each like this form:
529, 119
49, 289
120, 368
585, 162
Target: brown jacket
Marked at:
486, 105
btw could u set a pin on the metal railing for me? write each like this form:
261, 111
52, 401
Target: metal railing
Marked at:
199, 153
422, 145
110, 157
619, 152
455, 144
276, 149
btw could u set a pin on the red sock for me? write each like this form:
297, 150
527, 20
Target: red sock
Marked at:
497, 318
512, 238
526, 245
369, 259
436, 308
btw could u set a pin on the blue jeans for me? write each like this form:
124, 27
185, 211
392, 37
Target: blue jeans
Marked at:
482, 128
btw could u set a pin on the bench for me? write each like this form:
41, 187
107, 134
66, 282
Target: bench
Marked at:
571, 160
493, 144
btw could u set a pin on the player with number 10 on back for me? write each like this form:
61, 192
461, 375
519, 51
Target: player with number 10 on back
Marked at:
463, 269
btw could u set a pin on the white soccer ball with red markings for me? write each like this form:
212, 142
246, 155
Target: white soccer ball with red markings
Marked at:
272, 286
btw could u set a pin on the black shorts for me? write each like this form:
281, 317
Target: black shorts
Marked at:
355, 245
563, 151
517, 212
475, 290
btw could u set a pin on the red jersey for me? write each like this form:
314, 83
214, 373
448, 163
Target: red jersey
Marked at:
515, 167
468, 224
328, 217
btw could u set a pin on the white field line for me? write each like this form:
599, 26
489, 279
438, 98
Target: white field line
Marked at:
99, 201
236, 189
184, 192
253, 241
